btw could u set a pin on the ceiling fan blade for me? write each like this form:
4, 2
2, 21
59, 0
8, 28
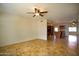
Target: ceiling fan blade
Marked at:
44, 12
30, 12
34, 15
36, 10
41, 15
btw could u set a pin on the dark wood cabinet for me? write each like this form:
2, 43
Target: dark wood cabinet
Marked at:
62, 31
50, 30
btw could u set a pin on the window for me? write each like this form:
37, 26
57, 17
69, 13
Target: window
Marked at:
72, 29
56, 29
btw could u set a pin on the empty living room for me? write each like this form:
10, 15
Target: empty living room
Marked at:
39, 29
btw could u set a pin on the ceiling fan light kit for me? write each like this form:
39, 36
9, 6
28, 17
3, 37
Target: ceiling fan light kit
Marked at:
37, 14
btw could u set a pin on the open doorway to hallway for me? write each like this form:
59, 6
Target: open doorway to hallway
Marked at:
65, 32
55, 31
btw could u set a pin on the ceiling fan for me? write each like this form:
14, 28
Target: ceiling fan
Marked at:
37, 12
74, 23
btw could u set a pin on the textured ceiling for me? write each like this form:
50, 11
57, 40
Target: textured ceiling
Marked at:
56, 12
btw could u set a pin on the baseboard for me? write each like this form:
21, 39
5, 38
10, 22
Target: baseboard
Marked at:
10, 43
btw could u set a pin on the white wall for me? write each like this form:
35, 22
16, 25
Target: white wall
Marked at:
14, 29
41, 28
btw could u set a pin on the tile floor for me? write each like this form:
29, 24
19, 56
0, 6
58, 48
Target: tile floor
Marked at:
39, 47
